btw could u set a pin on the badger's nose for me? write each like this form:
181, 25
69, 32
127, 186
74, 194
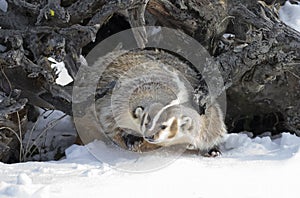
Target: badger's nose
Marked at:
150, 138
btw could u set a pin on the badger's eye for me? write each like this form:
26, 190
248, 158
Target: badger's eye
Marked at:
163, 127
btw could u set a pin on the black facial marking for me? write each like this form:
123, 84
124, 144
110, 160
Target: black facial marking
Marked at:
133, 112
163, 127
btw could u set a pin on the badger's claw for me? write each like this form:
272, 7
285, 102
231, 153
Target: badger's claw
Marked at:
214, 152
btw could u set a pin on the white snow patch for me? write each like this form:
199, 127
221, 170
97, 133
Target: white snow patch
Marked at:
2, 47
24, 179
3, 5
228, 36
64, 77
259, 167
290, 15
155, 30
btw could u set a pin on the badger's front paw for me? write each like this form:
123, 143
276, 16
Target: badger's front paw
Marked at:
133, 143
136, 146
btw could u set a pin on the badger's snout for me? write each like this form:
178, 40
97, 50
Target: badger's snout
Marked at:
150, 138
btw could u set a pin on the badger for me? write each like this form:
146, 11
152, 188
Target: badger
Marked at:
148, 102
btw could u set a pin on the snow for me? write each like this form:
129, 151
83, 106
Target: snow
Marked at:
3, 5
64, 77
24, 179
259, 167
228, 36
2, 47
290, 15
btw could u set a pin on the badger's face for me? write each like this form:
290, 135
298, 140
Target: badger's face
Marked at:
166, 127
171, 132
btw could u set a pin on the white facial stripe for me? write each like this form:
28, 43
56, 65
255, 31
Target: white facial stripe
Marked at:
173, 103
183, 93
144, 117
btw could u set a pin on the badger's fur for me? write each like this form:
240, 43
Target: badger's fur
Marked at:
144, 93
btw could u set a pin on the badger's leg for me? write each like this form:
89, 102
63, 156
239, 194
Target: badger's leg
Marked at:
118, 140
138, 144
133, 143
126, 141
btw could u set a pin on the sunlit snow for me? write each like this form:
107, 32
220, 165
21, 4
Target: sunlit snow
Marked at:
290, 15
64, 77
3, 5
258, 167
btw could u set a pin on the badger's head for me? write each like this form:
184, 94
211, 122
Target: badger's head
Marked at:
169, 125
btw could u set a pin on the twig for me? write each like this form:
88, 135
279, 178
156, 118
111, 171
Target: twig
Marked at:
8, 81
20, 133
49, 126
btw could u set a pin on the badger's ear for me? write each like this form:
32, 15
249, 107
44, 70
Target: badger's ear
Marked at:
186, 123
138, 113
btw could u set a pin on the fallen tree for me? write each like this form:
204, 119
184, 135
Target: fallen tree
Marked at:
259, 63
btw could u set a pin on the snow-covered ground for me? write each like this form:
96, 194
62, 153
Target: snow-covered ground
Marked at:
290, 15
252, 168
